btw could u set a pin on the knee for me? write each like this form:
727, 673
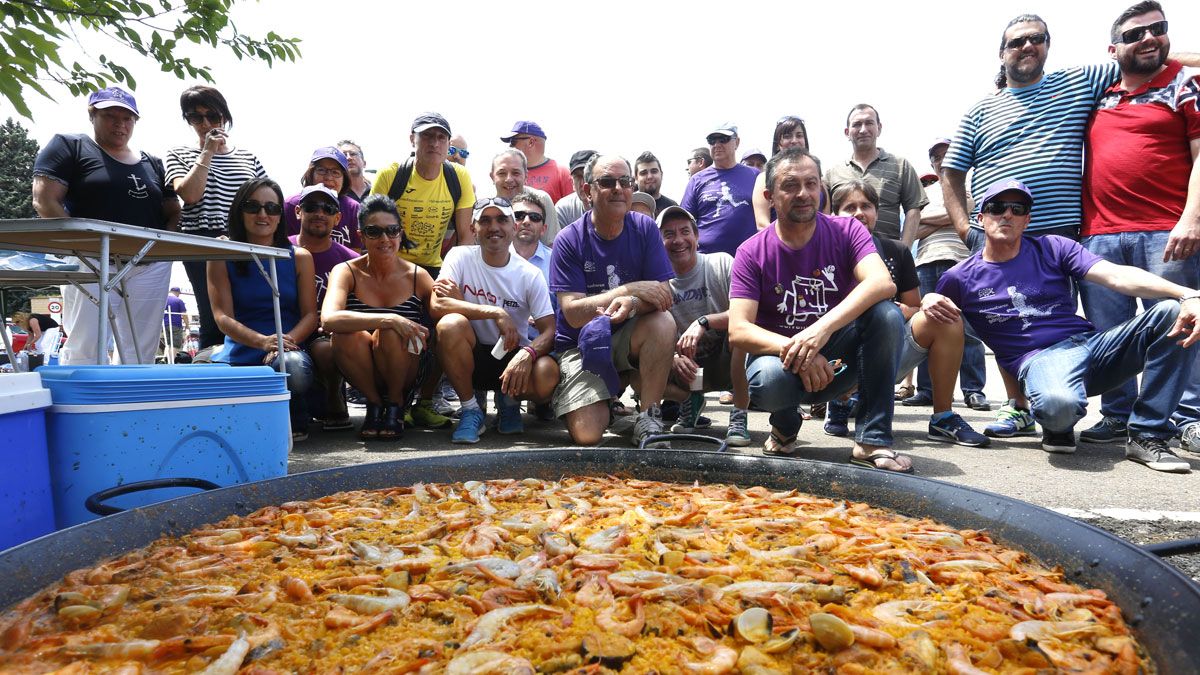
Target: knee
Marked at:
884, 318
1057, 410
452, 326
771, 387
298, 367
656, 328
1164, 313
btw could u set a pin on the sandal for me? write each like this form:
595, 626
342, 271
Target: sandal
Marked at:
779, 446
905, 391
872, 460
391, 426
337, 425
371, 422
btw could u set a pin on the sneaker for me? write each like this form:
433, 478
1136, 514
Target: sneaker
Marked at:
1058, 443
726, 398
544, 412
299, 436
779, 446
470, 425
670, 411
354, 396
917, 400
649, 423
837, 418
423, 415
446, 391
977, 401
1107, 430
737, 434
1012, 421
1156, 454
954, 429
689, 414
508, 419
1190, 438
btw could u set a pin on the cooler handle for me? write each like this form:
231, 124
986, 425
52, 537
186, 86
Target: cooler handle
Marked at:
95, 503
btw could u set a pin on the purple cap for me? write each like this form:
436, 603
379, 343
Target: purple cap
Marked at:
330, 152
174, 289
524, 127
113, 97
319, 188
430, 120
936, 142
595, 346
1000, 186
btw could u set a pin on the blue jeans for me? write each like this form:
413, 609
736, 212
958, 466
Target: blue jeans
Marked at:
1107, 308
973, 372
1059, 379
299, 368
869, 346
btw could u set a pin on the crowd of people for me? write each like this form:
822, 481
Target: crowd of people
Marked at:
784, 284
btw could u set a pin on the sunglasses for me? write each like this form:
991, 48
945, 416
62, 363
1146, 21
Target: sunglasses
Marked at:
461, 152
217, 118
251, 207
375, 231
1034, 39
998, 208
1135, 35
492, 201
323, 206
533, 216
519, 139
718, 140
608, 182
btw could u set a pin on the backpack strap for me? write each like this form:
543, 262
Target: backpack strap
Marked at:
400, 182
451, 178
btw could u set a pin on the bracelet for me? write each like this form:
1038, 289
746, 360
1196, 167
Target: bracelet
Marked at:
199, 163
1189, 296
532, 352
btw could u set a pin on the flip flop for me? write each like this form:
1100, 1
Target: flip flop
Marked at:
870, 461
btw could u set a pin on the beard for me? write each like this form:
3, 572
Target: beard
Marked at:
1146, 64
1023, 73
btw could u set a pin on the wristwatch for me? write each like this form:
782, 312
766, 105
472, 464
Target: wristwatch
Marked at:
703, 321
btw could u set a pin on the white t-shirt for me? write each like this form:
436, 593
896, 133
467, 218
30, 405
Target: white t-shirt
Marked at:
518, 287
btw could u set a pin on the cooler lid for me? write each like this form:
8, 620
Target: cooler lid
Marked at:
82, 385
22, 391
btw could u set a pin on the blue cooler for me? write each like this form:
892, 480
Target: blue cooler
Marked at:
113, 425
25, 496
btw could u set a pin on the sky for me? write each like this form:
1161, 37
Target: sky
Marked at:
618, 77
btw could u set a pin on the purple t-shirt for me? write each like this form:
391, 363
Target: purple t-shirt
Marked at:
582, 262
324, 262
1024, 305
173, 315
720, 199
794, 288
346, 232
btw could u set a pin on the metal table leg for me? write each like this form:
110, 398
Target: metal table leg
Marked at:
102, 329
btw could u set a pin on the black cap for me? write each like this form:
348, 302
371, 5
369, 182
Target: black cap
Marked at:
581, 158
430, 120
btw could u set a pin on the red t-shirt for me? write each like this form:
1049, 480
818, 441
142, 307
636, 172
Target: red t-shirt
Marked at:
552, 179
1138, 156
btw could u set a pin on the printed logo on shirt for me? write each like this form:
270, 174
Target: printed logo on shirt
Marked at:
491, 298
614, 279
139, 190
691, 294
722, 197
589, 266
1017, 307
985, 293
806, 301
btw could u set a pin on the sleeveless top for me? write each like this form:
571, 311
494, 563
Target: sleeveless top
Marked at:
412, 309
252, 306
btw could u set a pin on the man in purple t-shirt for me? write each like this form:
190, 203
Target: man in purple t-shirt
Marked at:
319, 215
720, 196
1016, 293
611, 263
808, 294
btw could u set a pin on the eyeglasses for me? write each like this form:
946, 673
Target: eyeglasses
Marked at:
492, 201
1135, 35
1033, 39
327, 171
533, 216
998, 208
461, 152
216, 117
251, 207
695, 159
324, 206
519, 139
351, 153
375, 231
718, 140
608, 182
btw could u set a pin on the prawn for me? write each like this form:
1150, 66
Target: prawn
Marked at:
372, 604
958, 662
607, 540
489, 624
721, 659
867, 576
231, 661
630, 628
489, 663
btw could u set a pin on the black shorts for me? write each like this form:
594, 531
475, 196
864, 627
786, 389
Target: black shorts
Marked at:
486, 375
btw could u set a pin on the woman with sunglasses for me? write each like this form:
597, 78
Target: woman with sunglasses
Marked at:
242, 299
328, 167
790, 132
376, 310
206, 174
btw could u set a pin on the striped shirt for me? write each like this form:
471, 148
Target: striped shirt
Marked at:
896, 181
226, 174
1034, 134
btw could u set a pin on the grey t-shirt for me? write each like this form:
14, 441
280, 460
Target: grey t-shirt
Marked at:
703, 290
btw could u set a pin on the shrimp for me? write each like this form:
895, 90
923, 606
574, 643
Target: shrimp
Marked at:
340, 618
818, 592
297, 589
872, 637
557, 543
897, 612
481, 540
488, 625
1042, 630
494, 598
132, 649
607, 540
958, 662
500, 567
231, 661
684, 594
477, 491
489, 663
700, 571
630, 628
595, 561
342, 583
594, 593
372, 604
544, 582
800, 551
721, 659
867, 576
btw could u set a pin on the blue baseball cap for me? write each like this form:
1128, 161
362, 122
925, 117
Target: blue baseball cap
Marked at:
595, 346
330, 152
113, 97
524, 127
1006, 185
